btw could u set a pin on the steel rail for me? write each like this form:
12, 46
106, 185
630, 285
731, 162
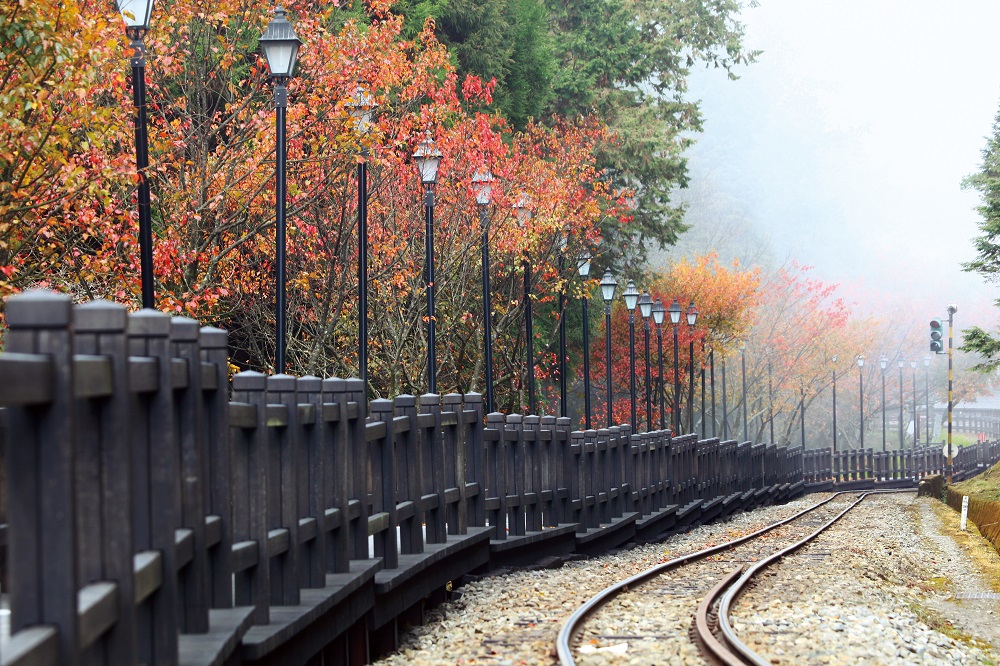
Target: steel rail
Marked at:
575, 622
739, 585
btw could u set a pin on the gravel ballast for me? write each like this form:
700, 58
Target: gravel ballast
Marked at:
876, 590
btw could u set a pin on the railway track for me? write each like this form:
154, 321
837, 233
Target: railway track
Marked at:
661, 614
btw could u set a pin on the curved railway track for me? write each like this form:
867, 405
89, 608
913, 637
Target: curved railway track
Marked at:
660, 612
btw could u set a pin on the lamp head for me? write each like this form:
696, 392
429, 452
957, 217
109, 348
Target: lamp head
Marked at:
884, 362
645, 305
428, 159
583, 264
658, 312
608, 286
861, 360
280, 46
482, 185
136, 14
675, 312
631, 296
361, 107
692, 315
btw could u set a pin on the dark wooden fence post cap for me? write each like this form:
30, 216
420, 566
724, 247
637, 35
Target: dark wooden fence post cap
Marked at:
406, 400
39, 308
430, 399
280, 383
576, 435
355, 385
473, 398
532, 419
452, 398
513, 419
148, 323
494, 417
183, 329
249, 381
334, 385
100, 316
548, 420
213, 338
563, 421
309, 384
380, 405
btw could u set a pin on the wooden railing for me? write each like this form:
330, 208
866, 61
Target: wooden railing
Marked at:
162, 513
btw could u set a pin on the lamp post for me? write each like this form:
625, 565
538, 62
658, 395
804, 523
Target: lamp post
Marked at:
927, 400
523, 214
901, 363
564, 240
675, 320
725, 402
646, 310
692, 319
281, 48
861, 401
136, 14
835, 418
711, 380
770, 397
884, 362
658, 313
360, 108
743, 379
583, 267
631, 297
482, 185
916, 417
704, 427
428, 158
608, 286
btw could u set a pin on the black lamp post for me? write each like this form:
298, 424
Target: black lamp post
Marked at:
136, 14
711, 380
704, 421
523, 214
692, 319
916, 418
646, 310
675, 319
631, 297
360, 107
884, 362
928, 431
770, 396
658, 314
482, 185
743, 381
563, 241
725, 405
835, 416
608, 286
281, 48
861, 402
901, 363
428, 159
583, 267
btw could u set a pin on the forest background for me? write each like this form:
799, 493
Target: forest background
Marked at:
580, 111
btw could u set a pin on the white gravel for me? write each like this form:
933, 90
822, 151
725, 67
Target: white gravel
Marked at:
864, 589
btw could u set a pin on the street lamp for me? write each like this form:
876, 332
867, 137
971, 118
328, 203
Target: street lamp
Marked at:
583, 267
482, 185
901, 363
360, 108
916, 418
608, 286
281, 48
743, 380
834, 456
136, 14
692, 319
523, 214
675, 319
631, 297
658, 314
563, 242
927, 400
883, 362
861, 401
646, 310
711, 380
427, 157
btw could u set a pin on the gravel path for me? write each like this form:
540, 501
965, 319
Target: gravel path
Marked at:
884, 593
870, 590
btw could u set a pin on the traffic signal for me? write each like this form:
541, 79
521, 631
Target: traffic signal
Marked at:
937, 334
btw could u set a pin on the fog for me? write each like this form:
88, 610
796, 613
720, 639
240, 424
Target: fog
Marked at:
845, 145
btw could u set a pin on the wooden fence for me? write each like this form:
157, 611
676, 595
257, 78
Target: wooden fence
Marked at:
162, 513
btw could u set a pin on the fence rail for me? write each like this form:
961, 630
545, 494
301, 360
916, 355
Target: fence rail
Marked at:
162, 513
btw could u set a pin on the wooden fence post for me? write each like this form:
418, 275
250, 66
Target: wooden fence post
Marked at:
283, 498
454, 463
315, 482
